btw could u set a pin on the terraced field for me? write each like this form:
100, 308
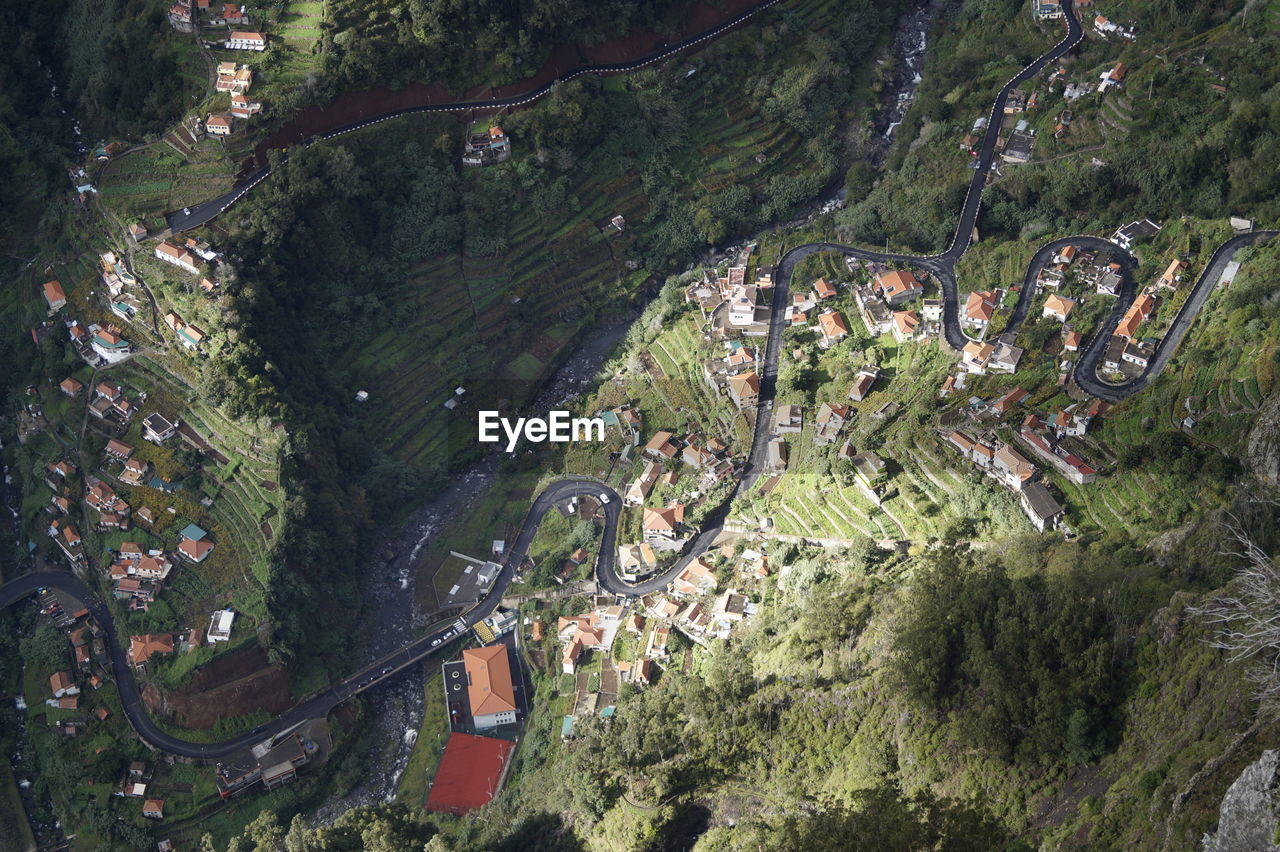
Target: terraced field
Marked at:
243, 491
298, 30
146, 182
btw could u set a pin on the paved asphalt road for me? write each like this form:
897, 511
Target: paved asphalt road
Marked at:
1086, 374
321, 704
941, 265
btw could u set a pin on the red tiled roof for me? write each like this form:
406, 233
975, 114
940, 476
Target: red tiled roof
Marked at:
897, 282
141, 648
980, 306
53, 292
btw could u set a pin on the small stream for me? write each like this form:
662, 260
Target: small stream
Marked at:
910, 41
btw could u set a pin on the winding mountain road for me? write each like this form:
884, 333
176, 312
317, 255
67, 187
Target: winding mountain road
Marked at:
942, 266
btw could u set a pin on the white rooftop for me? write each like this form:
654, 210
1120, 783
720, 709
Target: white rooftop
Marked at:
220, 625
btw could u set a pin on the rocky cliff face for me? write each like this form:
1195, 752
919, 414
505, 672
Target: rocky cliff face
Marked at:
1263, 452
1250, 815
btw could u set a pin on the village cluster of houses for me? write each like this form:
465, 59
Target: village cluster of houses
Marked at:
185, 16
1042, 435
1128, 353
1051, 10
690, 605
732, 306
90, 667
886, 303
135, 575
96, 345
235, 80
807, 306
120, 282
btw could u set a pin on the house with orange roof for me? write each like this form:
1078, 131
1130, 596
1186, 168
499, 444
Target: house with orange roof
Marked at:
234, 14
232, 79
1137, 314
1058, 307
62, 684
961, 442
243, 107
898, 285
217, 125
976, 356
1116, 75
118, 449
697, 578
643, 671
744, 388
863, 382
569, 659
1067, 255
54, 295
662, 524
176, 256
824, 289
143, 648
833, 328
637, 559
194, 543
490, 689
1172, 274
660, 446
135, 471
1012, 468
1007, 400
979, 308
906, 326
828, 422
1071, 341
245, 41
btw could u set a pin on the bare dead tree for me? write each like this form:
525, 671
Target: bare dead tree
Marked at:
1248, 617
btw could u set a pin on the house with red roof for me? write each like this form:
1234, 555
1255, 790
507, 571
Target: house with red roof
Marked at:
54, 295
906, 326
979, 308
833, 327
898, 285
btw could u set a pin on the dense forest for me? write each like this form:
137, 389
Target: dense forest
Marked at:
462, 45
